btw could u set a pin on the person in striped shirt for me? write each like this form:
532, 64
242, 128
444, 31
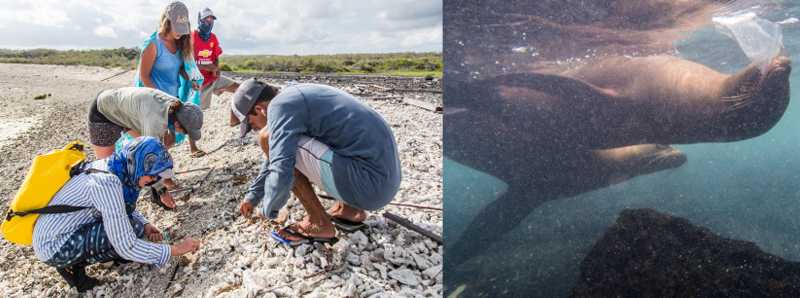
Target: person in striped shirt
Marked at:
108, 228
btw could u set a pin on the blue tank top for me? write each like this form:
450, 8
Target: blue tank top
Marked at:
166, 69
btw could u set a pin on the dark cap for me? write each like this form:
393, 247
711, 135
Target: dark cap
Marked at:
191, 118
243, 100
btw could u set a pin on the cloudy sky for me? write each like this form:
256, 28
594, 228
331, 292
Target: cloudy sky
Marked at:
243, 26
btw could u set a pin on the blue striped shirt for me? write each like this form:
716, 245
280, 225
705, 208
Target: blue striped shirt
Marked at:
103, 194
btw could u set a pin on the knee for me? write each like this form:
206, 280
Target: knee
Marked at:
299, 178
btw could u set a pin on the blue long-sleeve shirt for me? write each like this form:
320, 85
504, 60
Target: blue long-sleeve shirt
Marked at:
365, 162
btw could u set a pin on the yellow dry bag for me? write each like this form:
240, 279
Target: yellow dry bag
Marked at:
49, 172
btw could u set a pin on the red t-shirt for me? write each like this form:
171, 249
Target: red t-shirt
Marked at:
206, 53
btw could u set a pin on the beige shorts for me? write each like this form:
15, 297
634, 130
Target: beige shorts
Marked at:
308, 158
206, 93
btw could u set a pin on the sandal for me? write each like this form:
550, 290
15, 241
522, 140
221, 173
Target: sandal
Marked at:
76, 277
346, 225
304, 239
198, 153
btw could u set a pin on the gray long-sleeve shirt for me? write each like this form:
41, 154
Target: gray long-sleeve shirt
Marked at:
365, 164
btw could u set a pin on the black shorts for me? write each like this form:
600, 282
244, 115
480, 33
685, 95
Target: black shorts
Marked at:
102, 132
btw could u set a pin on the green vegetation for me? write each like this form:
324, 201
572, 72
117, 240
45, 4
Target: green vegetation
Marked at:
122, 57
397, 64
403, 64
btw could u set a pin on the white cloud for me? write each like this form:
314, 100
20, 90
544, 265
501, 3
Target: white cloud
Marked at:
243, 26
105, 31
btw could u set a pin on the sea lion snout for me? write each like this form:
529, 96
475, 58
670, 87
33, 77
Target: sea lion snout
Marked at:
779, 64
670, 157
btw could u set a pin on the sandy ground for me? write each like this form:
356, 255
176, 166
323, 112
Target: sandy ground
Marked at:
237, 257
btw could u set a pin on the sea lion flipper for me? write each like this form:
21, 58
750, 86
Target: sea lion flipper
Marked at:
557, 85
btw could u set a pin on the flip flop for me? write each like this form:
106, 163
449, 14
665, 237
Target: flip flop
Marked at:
197, 154
156, 198
304, 239
346, 225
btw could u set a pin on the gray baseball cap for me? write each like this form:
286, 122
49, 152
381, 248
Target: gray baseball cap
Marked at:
243, 100
178, 16
191, 118
207, 12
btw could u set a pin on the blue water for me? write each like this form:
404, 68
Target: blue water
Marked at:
747, 190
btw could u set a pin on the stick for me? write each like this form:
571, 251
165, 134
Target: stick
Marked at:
114, 76
192, 170
327, 197
174, 272
178, 190
411, 226
418, 90
425, 105
196, 186
383, 97
218, 147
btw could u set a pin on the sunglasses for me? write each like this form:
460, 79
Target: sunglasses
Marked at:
157, 186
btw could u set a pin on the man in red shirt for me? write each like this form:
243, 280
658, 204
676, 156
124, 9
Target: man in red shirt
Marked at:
206, 55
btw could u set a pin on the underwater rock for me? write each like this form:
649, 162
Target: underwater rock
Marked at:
650, 254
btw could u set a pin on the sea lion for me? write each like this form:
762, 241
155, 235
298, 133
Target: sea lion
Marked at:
551, 136
677, 101
497, 36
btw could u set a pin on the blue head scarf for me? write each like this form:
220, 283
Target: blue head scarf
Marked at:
144, 156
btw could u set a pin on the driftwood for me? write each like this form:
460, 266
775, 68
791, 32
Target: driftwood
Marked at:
115, 75
192, 170
411, 226
425, 105
327, 197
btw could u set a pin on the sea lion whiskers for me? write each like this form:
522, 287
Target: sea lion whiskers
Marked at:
662, 156
728, 112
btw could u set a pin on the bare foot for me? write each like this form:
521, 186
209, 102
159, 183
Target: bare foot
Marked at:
343, 211
306, 228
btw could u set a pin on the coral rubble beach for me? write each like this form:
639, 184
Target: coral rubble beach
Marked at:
238, 258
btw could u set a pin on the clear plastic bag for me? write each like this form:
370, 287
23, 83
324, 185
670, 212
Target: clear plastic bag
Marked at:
759, 39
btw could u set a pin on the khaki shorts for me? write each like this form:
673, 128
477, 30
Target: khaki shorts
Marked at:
205, 94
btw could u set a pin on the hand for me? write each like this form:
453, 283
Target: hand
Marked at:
216, 73
195, 85
246, 209
152, 233
185, 246
167, 199
170, 183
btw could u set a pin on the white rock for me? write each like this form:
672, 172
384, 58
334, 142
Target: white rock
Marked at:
354, 259
359, 239
404, 276
433, 271
255, 281
381, 268
302, 250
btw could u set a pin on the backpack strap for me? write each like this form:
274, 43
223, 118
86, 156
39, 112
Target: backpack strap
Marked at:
55, 209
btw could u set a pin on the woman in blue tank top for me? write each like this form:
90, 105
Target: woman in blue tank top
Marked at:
162, 60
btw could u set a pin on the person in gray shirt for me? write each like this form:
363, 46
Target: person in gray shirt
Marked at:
141, 111
322, 135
